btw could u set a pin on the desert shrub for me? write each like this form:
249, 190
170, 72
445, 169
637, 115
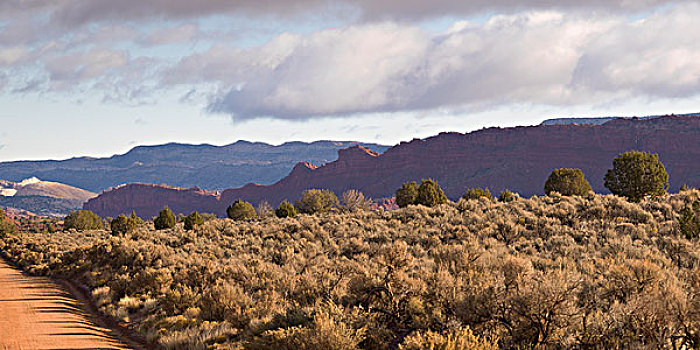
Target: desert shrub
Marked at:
241, 210
407, 194
507, 196
285, 210
165, 219
689, 221
315, 201
568, 182
355, 200
6, 226
476, 193
82, 220
119, 225
460, 339
550, 272
264, 209
636, 175
193, 220
430, 194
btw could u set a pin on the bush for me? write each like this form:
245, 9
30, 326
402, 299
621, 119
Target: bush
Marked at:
264, 209
476, 193
316, 201
6, 226
193, 220
507, 196
355, 200
82, 220
121, 224
461, 339
241, 210
285, 210
568, 182
636, 175
430, 194
165, 220
689, 221
407, 194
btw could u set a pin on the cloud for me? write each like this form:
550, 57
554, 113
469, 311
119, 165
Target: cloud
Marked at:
79, 12
548, 58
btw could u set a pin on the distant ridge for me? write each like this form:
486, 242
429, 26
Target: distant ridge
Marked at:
183, 165
603, 120
519, 159
42, 197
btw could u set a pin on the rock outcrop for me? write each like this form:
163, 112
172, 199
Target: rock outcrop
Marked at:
519, 159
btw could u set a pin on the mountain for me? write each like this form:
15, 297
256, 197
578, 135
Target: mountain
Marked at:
519, 159
603, 120
42, 197
206, 166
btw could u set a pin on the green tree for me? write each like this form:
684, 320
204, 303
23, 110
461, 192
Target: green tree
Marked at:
193, 220
122, 224
637, 174
6, 226
82, 220
568, 182
285, 210
315, 201
165, 220
355, 200
119, 225
241, 210
407, 194
476, 193
430, 194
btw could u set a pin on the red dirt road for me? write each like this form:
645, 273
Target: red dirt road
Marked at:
37, 313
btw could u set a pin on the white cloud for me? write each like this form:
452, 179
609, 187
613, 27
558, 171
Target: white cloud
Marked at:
541, 57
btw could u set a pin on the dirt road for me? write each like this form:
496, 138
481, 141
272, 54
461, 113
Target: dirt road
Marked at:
37, 313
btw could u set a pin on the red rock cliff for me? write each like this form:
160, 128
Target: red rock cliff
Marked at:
519, 159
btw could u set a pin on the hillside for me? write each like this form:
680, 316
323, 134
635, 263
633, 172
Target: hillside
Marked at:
546, 273
42, 197
518, 158
206, 166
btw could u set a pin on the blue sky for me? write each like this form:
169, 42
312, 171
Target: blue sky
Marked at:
97, 77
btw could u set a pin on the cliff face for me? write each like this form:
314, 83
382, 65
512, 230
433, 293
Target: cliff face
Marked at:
519, 159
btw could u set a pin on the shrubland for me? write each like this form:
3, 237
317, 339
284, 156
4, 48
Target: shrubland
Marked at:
552, 272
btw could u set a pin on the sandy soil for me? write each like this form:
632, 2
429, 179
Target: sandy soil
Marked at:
37, 313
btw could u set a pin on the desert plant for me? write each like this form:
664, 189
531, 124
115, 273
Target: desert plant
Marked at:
315, 201
568, 182
407, 194
82, 220
430, 194
460, 339
264, 209
689, 221
165, 219
6, 226
285, 210
355, 200
636, 175
241, 210
193, 220
476, 193
507, 196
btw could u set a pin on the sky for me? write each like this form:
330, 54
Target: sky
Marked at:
98, 77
